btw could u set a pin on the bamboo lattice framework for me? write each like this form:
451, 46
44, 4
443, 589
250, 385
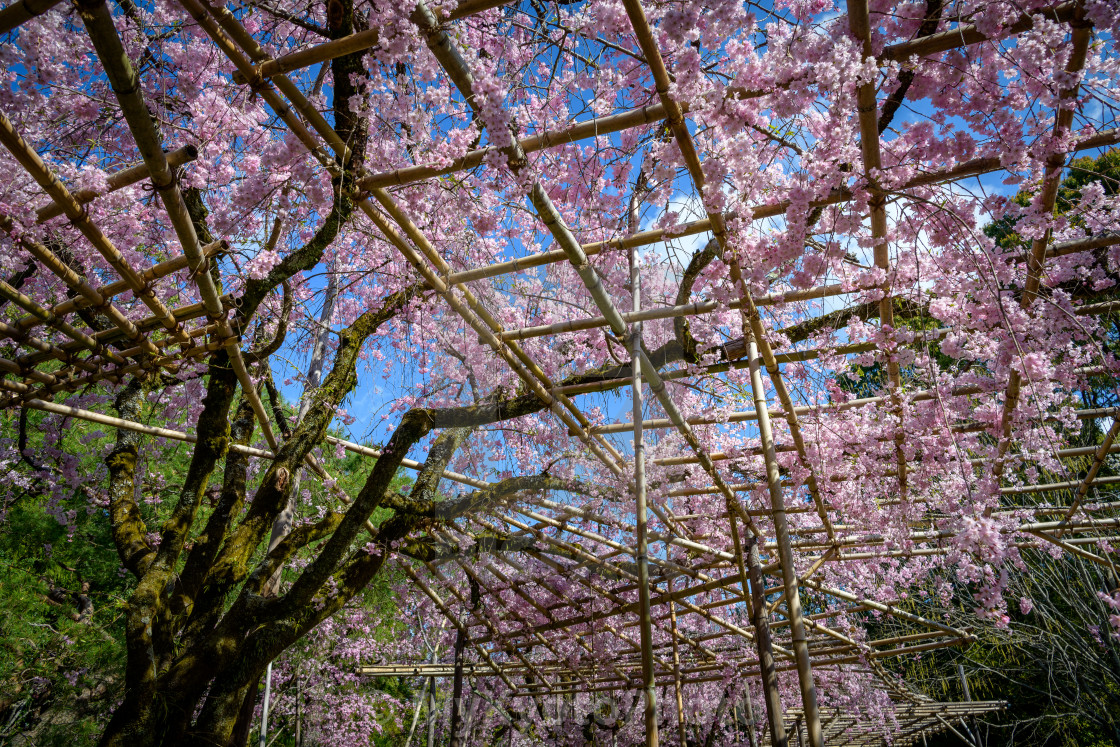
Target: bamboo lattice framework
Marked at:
683, 606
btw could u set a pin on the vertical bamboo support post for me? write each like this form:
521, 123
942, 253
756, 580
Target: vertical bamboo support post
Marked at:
1080, 37
641, 554
752, 738
785, 553
675, 118
676, 666
263, 737
766, 667
859, 21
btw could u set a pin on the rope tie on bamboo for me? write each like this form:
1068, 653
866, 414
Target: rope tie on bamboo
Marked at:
203, 266
102, 307
134, 88
82, 216
145, 288
258, 82
152, 186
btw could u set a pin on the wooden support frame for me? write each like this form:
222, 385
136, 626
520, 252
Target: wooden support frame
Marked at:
801, 641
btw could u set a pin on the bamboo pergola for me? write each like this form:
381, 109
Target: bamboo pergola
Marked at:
751, 596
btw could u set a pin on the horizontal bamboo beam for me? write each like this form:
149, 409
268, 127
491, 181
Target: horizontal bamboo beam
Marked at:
434, 670
23, 11
968, 169
153, 273
969, 34
591, 128
118, 180
706, 307
356, 42
174, 435
128, 425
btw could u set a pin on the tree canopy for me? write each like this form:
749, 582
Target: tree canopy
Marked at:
697, 371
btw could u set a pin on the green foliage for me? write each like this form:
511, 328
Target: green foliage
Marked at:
1104, 169
1057, 666
57, 673
60, 676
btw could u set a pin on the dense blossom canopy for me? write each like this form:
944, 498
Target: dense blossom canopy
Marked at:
844, 225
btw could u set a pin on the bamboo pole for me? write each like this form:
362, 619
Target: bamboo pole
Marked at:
1102, 451
641, 555
859, 21
669, 312
128, 425
720, 456
969, 34
356, 42
205, 15
967, 169
632, 607
1080, 37
676, 667
668, 538
754, 320
1074, 550
887, 608
14, 368
116, 181
126, 85
97, 417
1013, 490
785, 555
596, 127
464, 629
767, 669
20, 12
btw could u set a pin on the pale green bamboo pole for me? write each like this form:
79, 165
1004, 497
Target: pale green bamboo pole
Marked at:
800, 642
641, 554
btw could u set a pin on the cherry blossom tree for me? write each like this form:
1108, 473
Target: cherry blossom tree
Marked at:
425, 234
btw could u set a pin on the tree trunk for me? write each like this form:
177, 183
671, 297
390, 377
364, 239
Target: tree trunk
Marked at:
244, 723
